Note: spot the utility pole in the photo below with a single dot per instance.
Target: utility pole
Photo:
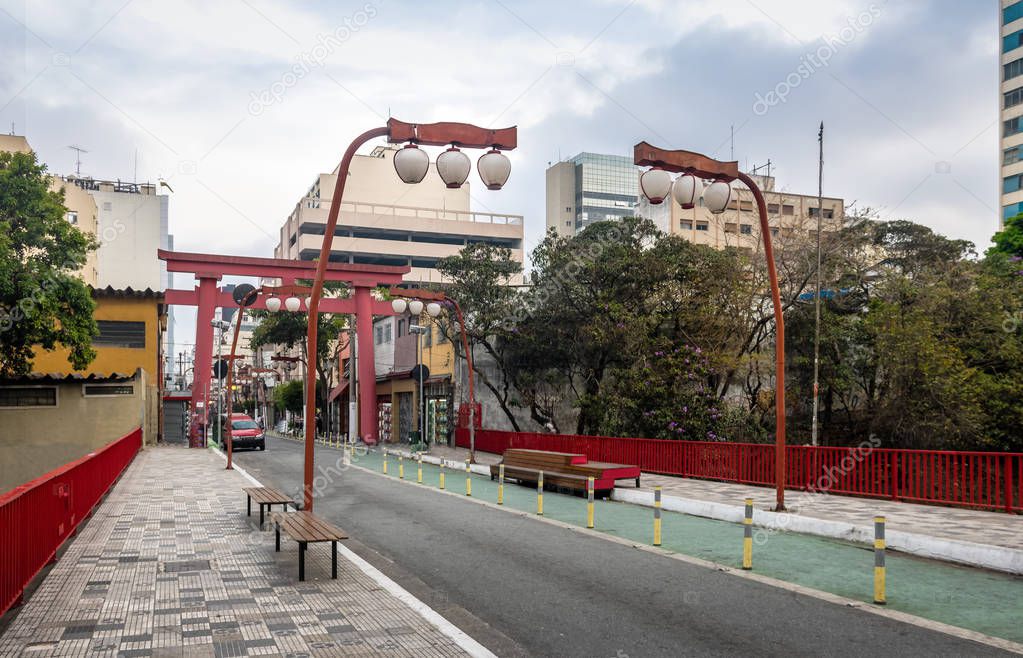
(817, 297)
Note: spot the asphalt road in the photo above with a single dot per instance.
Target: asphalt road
(524, 587)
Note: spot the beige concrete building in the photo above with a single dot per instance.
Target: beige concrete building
(1010, 154)
(386, 222)
(594, 187)
(739, 226)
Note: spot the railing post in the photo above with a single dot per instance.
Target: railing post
(893, 474)
(1007, 476)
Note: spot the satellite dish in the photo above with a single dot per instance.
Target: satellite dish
(244, 294)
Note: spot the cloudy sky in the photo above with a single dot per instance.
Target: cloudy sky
(206, 94)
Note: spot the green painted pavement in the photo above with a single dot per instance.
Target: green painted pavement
(984, 601)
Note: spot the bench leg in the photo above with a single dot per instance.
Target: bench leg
(333, 560)
(248, 505)
(301, 560)
(277, 534)
(637, 483)
(261, 507)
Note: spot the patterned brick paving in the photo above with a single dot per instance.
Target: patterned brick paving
(170, 565)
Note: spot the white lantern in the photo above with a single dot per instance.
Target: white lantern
(273, 304)
(494, 169)
(656, 185)
(308, 302)
(411, 163)
(292, 304)
(716, 196)
(453, 167)
(399, 305)
(415, 307)
(686, 190)
(433, 309)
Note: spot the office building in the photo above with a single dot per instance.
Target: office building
(1010, 152)
(590, 187)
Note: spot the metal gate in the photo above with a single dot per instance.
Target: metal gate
(175, 421)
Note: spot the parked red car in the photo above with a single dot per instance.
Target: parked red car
(245, 433)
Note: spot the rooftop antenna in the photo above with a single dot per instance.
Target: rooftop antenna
(12, 127)
(78, 158)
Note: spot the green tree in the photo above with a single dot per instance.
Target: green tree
(42, 303)
(288, 396)
(1009, 241)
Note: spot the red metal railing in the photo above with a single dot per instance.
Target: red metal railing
(990, 480)
(38, 516)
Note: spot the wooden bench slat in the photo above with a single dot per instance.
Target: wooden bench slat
(305, 527)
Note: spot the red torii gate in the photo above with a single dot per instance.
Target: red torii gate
(209, 268)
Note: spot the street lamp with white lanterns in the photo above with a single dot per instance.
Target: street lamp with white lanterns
(656, 184)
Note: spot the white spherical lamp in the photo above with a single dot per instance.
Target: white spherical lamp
(399, 305)
(308, 302)
(656, 185)
(292, 304)
(686, 190)
(494, 168)
(273, 304)
(411, 164)
(716, 196)
(433, 309)
(415, 307)
(453, 167)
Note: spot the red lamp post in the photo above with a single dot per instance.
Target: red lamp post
(657, 185)
(411, 164)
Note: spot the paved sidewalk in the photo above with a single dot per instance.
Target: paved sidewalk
(981, 527)
(170, 565)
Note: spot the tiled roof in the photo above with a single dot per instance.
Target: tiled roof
(35, 377)
(110, 291)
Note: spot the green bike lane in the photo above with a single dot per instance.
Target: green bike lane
(979, 600)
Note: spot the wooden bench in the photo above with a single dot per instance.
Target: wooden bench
(563, 469)
(305, 528)
(266, 498)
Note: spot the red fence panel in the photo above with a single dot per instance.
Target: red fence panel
(38, 516)
(986, 480)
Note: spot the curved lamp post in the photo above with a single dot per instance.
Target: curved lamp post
(435, 300)
(411, 165)
(244, 295)
(657, 185)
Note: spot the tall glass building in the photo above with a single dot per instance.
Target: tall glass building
(590, 187)
(1010, 156)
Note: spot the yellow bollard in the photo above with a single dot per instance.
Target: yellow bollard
(442, 474)
(419, 471)
(589, 502)
(657, 516)
(500, 484)
(468, 479)
(747, 536)
(879, 568)
(539, 494)
(401, 467)
(385, 462)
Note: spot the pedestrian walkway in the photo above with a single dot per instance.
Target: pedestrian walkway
(169, 565)
(959, 524)
(975, 599)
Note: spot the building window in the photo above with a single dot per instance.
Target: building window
(1012, 155)
(774, 232)
(72, 217)
(772, 208)
(99, 390)
(1012, 98)
(788, 210)
(702, 226)
(378, 335)
(1012, 69)
(428, 336)
(1013, 12)
(1012, 41)
(829, 213)
(28, 396)
(401, 328)
(687, 225)
(1012, 127)
(746, 229)
(120, 333)
(1012, 210)
(107, 205)
(387, 332)
(1010, 184)
(730, 227)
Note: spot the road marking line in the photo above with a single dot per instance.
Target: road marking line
(904, 617)
(457, 635)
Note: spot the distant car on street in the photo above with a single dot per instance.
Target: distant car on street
(245, 432)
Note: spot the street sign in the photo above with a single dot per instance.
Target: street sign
(220, 368)
(244, 294)
(420, 373)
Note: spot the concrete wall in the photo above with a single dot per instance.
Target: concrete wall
(130, 227)
(561, 197)
(36, 440)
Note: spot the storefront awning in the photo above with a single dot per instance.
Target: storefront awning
(337, 391)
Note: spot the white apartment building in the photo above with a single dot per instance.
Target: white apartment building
(1010, 153)
(384, 221)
